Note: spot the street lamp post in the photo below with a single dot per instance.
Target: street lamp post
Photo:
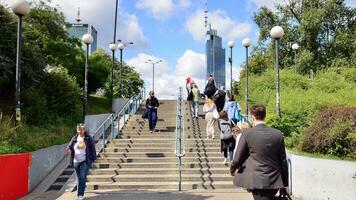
(246, 43)
(153, 71)
(231, 44)
(121, 46)
(87, 39)
(295, 47)
(113, 48)
(20, 8)
(277, 33)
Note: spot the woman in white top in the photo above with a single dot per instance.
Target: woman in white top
(211, 115)
(82, 151)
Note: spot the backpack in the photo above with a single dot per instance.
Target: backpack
(225, 127)
(238, 115)
(190, 96)
(210, 89)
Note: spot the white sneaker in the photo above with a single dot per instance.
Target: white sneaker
(225, 161)
(80, 198)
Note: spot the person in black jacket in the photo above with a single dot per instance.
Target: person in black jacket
(152, 104)
(81, 148)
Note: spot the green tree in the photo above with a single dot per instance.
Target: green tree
(99, 70)
(324, 30)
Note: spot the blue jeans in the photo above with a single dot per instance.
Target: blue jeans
(152, 118)
(195, 108)
(82, 170)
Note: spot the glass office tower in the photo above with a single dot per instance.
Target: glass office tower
(78, 30)
(215, 57)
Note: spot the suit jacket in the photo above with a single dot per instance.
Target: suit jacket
(260, 159)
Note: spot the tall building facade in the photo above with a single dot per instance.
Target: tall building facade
(215, 57)
(77, 30)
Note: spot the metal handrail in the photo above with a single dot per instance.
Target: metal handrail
(290, 185)
(179, 144)
(137, 100)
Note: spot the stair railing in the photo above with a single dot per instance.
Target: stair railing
(131, 107)
(179, 143)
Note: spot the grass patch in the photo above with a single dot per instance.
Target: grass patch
(99, 105)
(26, 138)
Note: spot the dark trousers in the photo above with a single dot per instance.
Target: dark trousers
(266, 194)
(81, 169)
(152, 118)
(231, 152)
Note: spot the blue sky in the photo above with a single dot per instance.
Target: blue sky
(171, 30)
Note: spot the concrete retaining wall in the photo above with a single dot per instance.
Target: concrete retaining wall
(43, 161)
(323, 179)
(118, 104)
(92, 122)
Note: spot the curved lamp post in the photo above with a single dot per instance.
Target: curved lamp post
(87, 39)
(277, 33)
(246, 43)
(295, 47)
(153, 71)
(20, 8)
(113, 48)
(121, 46)
(231, 45)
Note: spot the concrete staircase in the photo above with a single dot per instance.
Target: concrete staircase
(204, 157)
(138, 159)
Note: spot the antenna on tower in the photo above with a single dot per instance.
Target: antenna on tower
(78, 14)
(206, 13)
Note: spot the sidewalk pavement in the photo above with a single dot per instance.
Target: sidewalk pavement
(157, 195)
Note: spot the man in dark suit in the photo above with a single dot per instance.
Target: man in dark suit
(260, 159)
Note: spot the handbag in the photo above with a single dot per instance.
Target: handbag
(215, 113)
(145, 114)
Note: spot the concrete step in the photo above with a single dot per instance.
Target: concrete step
(158, 154)
(159, 178)
(141, 140)
(165, 164)
(141, 145)
(155, 171)
(148, 137)
(170, 159)
(148, 133)
(161, 149)
(160, 185)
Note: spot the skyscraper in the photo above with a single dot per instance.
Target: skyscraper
(77, 30)
(215, 57)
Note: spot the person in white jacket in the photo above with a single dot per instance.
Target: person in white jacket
(211, 115)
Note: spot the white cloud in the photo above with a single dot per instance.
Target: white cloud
(190, 64)
(271, 4)
(235, 75)
(145, 69)
(162, 9)
(351, 3)
(130, 30)
(228, 28)
(101, 15)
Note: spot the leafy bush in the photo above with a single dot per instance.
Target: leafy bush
(332, 132)
(301, 99)
(62, 91)
(35, 109)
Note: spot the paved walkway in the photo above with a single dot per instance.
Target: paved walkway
(152, 195)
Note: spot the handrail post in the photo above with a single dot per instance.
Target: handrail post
(112, 126)
(118, 123)
(124, 118)
(103, 138)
